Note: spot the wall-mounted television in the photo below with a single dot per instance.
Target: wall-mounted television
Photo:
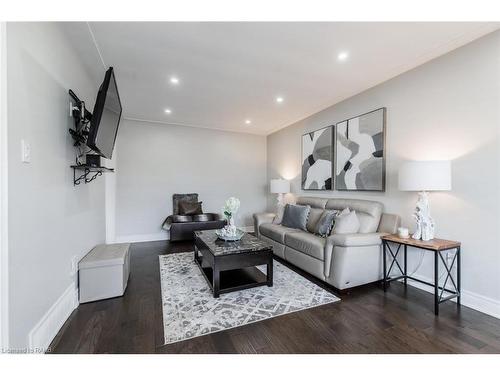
(106, 117)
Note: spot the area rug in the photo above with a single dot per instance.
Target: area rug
(189, 309)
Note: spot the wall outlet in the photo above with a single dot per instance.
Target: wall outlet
(25, 151)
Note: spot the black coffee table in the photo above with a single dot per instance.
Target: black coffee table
(231, 266)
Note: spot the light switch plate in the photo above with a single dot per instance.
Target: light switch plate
(25, 151)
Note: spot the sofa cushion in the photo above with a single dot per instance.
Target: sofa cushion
(275, 232)
(306, 243)
(312, 201)
(312, 221)
(368, 212)
(181, 218)
(356, 240)
(203, 217)
(296, 216)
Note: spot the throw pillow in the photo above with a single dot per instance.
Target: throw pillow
(312, 220)
(325, 223)
(280, 210)
(295, 216)
(190, 208)
(346, 223)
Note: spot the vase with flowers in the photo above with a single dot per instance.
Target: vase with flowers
(230, 232)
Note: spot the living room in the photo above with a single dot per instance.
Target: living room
(233, 187)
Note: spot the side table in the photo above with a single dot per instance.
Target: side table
(437, 246)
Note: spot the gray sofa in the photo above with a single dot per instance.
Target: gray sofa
(342, 260)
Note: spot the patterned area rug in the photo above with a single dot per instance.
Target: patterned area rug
(189, 309)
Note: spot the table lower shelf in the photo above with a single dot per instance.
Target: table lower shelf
(234, 279)
(239, 279)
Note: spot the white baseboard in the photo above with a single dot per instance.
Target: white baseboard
(143, 237)
(46, 329)
(473, 300)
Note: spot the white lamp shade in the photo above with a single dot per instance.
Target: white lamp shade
(279, 186)
(425, 176)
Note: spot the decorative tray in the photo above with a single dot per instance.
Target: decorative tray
(236, 237)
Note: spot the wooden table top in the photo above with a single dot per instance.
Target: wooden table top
(436, 244)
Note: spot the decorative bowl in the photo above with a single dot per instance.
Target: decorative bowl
(224, 237)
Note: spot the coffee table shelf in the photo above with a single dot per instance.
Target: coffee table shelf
(233, 280)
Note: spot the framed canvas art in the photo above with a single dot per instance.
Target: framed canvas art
(360, 152)
(317, 159)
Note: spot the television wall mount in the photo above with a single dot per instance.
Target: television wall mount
(82, 117)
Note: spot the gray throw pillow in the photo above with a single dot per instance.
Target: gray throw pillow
(325, 223)
(295, 216)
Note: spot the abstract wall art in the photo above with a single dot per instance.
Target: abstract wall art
(360, 157)
(317, 159)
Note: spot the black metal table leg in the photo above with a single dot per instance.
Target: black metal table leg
(436, 284)
(384, 244)
(406, 265)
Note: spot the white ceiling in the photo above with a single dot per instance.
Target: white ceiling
(230, 72)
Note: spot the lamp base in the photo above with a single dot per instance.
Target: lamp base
(425, 226)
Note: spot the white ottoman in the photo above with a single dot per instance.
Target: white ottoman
(103, 272)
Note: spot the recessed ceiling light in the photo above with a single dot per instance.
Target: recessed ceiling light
(168, 111)
(248, 122)
(174, 80)
(279, 99)
(342, 56)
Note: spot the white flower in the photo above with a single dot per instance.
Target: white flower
(232, 205)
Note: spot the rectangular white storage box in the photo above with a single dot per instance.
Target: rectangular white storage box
(103, 272)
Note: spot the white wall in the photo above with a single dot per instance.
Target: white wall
(4, 278)
(446, 109)
(156, 160)
(50, 220)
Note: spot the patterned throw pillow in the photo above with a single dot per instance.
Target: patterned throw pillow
(280, 210)
(325, 223)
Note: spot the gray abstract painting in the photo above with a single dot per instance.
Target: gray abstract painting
(360, 152)
(317, 158)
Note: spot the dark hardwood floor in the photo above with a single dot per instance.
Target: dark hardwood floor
(365, 321)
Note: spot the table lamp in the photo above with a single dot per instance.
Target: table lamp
(280, 187)
(424, 176)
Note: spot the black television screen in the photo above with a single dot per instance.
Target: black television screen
(106, 117)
